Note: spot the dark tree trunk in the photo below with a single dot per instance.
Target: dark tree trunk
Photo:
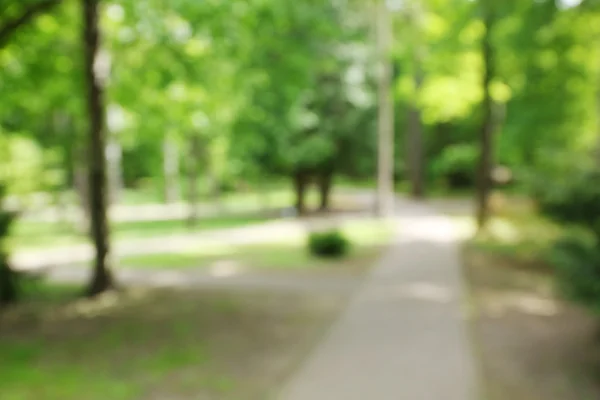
(102, 279)
(597, 149)
(325, 184)
(415, 153)
(8, 284)
(414, 143)
(484, 178)
(193, 175)
(300, 185)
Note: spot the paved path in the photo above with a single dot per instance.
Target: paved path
(279, 229)
(403, 336)
(264, 232)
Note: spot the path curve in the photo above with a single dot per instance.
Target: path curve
(404, 335)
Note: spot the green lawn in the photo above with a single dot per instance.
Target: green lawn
(280, 195)
(520, 232)
(156, 344)
(27, 234)
(175, 344)
(367, 237)
(30, 234)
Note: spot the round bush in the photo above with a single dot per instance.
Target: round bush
(329, 244)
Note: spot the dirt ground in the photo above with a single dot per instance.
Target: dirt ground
(531, 345)
(161, 344)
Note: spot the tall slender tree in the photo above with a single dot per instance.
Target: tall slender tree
(95, 75)
(414, 137)
(484, 176)
(385, 152)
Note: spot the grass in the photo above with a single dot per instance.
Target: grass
(366, 237)
(157, 344)
(27, 234)
(279, 196)
(516, 231)
(157, 228)
(250, 209)
(115, 348)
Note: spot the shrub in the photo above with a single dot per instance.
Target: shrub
(328, 244)
(577, 264)
(576, 200)
(457, 165)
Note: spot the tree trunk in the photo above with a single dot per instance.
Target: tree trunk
(300, 185)
(193, 176)
(95, 77)
(325, 185)
(385, 152)
(415, 136)
(484, 181)
(114, 155)
(8, 284)
(597, 150)
(170, 169)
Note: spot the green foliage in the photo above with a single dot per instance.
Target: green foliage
(328, 244)
(575, 200)
(577, 263)
(273, 86)
(456, 165)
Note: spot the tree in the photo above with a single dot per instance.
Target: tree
(302, 115)
(414, 146)
(102, 279)
(23, 16)
(8, 283)
(484, 180)
(385, 152)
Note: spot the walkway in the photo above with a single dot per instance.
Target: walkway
(279, 229)
(404, 335)
(262, 232)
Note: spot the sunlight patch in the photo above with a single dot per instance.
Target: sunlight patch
(225, 268)
(425, 291)
(499, 304)
(505, 231)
